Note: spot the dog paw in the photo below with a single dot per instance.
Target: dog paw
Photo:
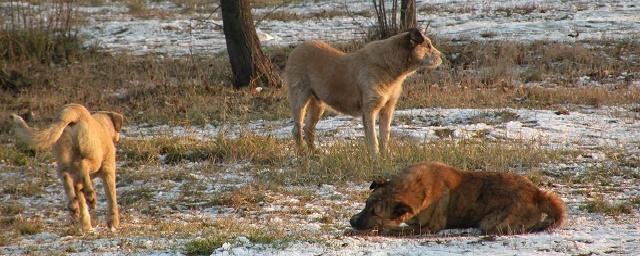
(74, 211)
(88, 230)
(90, 198)
(113, 225)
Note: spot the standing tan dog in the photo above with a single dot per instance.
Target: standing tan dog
(364, 83)
(84, 147)
(429, 197)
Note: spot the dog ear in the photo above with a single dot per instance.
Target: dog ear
(378, 183)
(415, 37)
(401, 209)
(117, 119)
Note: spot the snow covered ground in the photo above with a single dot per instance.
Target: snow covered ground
(112, 28)
(303, 210)
(607, 127)
(319, 214)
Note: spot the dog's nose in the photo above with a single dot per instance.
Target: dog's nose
(353, 221)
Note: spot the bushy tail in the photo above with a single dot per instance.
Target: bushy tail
(45, 138)
(554, 207)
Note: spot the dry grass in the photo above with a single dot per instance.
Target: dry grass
(28, 33)
(28, 226)
(145, 89)
(247, 147)
(245, 197)
(11, 155)
(272, 3)
(599, 205)
(9, 209)
(136, 6)
(283, 15)
(196, 89)
(19, 226)
(198, 6)
(422, 96)
(227, 229)
(342, 161)
(38, 179)
(433, 8)
(524, 9)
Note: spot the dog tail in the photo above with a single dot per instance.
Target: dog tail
(45, 138)
(551, 204)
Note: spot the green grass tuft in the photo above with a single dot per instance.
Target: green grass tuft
(204, 246)
(599, 205)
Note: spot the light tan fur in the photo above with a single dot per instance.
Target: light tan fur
(432, 196)
(367, 82)
(84, 147)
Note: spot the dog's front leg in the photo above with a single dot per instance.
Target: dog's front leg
(109, 179)
(369, 120)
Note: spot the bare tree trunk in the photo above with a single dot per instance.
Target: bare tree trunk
(388, 23)
(408, 14)
(248, 64)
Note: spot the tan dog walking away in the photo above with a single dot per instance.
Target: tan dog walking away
(432, 196)
(366, 83)
(84, 147)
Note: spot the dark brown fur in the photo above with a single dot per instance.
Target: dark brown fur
(432, 196)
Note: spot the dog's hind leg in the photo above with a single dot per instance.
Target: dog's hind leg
(72, 200)
(315, 110)
(85, 218)
(109, 180)
(89, 192)
(510, 221)
(299, 98)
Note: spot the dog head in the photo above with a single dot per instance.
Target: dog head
(382, 210)
(116, 120)
(421, 51)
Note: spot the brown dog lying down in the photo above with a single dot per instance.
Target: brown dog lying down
(84, 147)
(432, 196)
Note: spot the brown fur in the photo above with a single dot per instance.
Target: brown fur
(84, 147)
(366, 83)
(432, 196)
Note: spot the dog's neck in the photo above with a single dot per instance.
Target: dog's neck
(396, 69)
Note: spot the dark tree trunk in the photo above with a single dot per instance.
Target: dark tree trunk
(248, 64)
(407, 14)
(388, 23)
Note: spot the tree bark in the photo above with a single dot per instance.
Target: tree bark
(388, 24)
(248, 63)
(408, 14)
